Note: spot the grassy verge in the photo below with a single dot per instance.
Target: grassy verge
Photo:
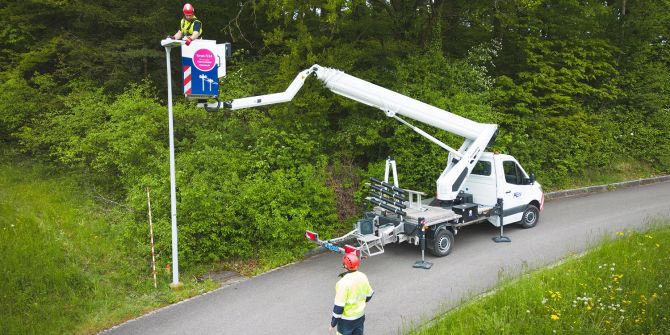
(65, 267)
(620, 287)
(617, 172)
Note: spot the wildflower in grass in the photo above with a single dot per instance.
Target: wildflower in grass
(555, 317)
(620, 233)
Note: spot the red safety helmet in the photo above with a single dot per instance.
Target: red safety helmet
(350, 261)
(188, 9)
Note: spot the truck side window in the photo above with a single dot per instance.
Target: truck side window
(513, 174)
(482, 168)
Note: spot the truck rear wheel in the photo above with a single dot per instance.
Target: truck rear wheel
(530, 217)
(441, 244)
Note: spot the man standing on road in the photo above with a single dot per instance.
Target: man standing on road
(190, 27)
(352, 291)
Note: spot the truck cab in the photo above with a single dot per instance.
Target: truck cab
(501, 176)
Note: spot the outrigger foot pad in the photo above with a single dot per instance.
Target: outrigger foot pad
(500, 239)
(423, 265)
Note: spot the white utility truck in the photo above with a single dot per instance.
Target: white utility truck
(472, 188)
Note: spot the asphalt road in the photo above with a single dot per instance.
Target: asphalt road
(297, 299)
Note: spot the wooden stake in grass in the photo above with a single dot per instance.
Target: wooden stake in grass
(151, 236)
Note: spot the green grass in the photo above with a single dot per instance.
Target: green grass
(620, 287)
(65, 267)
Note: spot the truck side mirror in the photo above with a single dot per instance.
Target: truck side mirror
(531, 180)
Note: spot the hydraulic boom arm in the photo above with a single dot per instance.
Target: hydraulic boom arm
(477, 135)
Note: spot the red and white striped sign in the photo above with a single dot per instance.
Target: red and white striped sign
(187, 80)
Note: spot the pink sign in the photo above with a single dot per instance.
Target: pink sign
(204, 60)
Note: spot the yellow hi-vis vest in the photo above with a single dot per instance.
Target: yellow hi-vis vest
(187, 27)
(352, 292)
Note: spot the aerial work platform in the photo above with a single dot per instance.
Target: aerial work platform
(203, 63)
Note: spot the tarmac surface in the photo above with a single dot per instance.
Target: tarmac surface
(298, 298)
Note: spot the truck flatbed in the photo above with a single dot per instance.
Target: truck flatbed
(433, 214)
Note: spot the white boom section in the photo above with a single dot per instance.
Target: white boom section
(270, 99)
(477, 135)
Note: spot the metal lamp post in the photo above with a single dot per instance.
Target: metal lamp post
(169, 44)
(203, 62)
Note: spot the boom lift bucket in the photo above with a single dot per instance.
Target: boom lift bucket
(203, 63)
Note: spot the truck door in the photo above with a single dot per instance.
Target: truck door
(515, 191)
(482, 183)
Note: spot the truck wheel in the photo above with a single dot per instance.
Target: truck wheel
(530, 217)
(442, 243)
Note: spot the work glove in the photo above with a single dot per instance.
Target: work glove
(188, 41)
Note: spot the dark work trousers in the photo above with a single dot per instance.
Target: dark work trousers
(351, 327)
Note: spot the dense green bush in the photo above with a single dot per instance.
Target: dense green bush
(243, 187)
